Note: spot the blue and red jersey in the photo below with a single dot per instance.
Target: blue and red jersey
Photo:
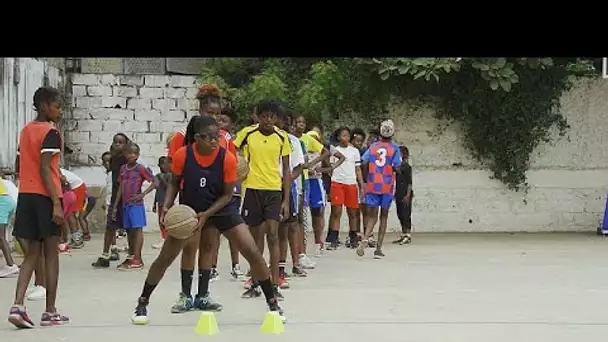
(382, 157)
(131, 180)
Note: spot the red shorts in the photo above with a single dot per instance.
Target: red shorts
(344, 194)
(81, 197)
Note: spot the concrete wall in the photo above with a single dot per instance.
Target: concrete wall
(568, 179)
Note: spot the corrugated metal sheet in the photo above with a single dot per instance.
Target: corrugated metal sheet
(20, 79)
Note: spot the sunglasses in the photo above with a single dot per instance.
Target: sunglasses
(208, 137)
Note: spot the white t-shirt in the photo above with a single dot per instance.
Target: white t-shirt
(11, 189)
(296, 157)
(346, 172)
(72, 178)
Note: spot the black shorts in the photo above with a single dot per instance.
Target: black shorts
(260, 206)
(224, 223)
(90, 204)
(111, 224)
(33, 218)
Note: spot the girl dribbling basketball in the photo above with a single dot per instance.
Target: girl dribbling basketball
(208, 172)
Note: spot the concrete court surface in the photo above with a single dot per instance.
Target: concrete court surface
(444, 287)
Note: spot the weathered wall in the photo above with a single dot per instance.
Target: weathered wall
(568, 179)
(19, 80)
(146, 108)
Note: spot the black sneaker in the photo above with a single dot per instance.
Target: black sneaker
(278, 294)
(378, 254)
(253, 292)
(273, 305)
(140, 317)
(333, 246)
(407, 240)
(206, 303)
(399, 240)
(299, 272)
(101, 263)
(114, 255)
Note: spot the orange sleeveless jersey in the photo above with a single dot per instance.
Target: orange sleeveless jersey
(37, 138)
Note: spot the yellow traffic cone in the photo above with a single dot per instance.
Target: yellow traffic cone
(207, 324)
(273, 324)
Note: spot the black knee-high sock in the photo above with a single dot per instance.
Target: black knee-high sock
(147, 291)
(267, 289)
(187, 282)
(203, 282)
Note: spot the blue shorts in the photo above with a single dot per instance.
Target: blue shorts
(7, 205)
(378, 200)
(133, 216)
(317, 198)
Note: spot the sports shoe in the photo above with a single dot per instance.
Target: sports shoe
(77, 244)
(283, 283)
(158, 245)
(125, 262)
(86, 236)
(140, 316)
(206, 303)
(399, 240)
(278, 294)
(318, 250)
(298, 271)
(37, 293)
(53, 318)
(306, 263)
(236, 273)
(132, 265)
(114, 254)
(215, 275)
(252, 292)
(407, 240)
(101, 262)
(65, 248)
(361, 248)
(378, 254)
(273, 305)
(183, 304)
(9, 271)
(371, 242)
(18, 317)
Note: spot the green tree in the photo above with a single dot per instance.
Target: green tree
(507, 105)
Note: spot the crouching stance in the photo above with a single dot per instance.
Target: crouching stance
(209, 175)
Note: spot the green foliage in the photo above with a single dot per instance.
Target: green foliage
(507, 105)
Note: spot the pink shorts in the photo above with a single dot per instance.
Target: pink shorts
(69, 203)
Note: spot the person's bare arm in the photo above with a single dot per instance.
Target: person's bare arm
(286, 182)
(324, 154)
(47, 179)
(332, 167)
(118, 197)
(359, 176)
(297, 171)
(172, 190)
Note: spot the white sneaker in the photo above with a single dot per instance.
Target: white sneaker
(158, 245)
(306, 263)
(9, 271)
(318, 250)
(38, 293)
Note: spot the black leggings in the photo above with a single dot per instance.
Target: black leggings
(404, 213)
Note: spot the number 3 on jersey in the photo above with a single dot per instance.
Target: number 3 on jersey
(381, 157)
(203, 182)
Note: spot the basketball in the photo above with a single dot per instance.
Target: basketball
(180, 221)
(242, 168)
